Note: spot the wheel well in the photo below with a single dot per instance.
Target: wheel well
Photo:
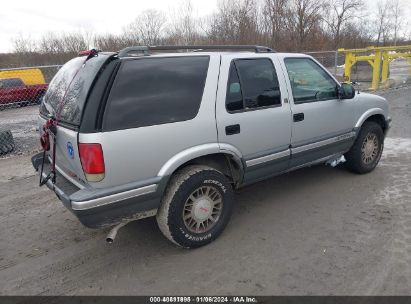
(225, 163)
(379, 119)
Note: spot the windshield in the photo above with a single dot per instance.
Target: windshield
(71, 83)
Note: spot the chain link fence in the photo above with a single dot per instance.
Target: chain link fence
(21, 91)
(332, 60)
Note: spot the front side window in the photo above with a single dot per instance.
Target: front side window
(152, 91)
(309, 82)
(252, 84)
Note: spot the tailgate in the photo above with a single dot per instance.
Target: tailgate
(67, 159)
(65, 100)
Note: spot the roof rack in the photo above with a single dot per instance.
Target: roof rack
(145, 49)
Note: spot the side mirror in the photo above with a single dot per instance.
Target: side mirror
(346, 91)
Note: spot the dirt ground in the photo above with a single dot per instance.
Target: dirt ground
(316, 231)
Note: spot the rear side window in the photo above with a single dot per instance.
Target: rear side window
(154, 91)
(252, 84)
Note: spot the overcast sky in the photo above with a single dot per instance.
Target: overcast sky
(33, 18)
(36, 17)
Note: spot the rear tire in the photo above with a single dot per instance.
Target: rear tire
(6, 142)
(366, 152)
(196, 206)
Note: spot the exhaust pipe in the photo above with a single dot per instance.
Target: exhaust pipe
(113, 232)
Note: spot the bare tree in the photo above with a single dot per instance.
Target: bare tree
(236, 22)
(275, 16)
(304, 18)
(396, 16)
(357, 34)
(74, 42)
(338, 14)
(50, 43)
(111, 42)
(147, 27)
(247, 19)
(22, 44)
(183, 26)
(383, 21)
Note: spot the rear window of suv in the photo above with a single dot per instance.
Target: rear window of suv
(152, 91)
(67, 91)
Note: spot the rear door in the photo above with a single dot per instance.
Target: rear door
(253, 113)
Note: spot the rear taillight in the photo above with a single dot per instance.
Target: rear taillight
(92, 161)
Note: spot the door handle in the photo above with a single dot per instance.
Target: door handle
(298, 117)
(233, 129)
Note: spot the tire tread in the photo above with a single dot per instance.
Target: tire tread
(353, 156)
(175, 183)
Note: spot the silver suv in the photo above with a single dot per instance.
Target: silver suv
(152, 131)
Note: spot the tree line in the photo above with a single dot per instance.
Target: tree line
(284, 25)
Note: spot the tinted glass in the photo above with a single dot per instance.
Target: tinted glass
(234, 98)
(309, 82)
(258, 85)
(156, 91)
(68, 89)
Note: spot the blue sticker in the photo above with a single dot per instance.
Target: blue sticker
(70, 150)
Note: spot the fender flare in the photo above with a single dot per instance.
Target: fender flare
(197, 151)
(367, 114)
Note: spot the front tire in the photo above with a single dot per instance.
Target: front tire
(196, 206)
(366, 152)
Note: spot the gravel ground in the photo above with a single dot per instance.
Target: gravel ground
(319, 230)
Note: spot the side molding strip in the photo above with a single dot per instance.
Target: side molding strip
(323, 142)
(267, 158)
(110, 199)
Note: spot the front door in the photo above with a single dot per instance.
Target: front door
(322, 123)
(252, 116)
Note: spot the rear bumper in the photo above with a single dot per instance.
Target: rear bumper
(96, 208)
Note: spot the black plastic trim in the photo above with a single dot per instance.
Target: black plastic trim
(111, 214)
(94, 107)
